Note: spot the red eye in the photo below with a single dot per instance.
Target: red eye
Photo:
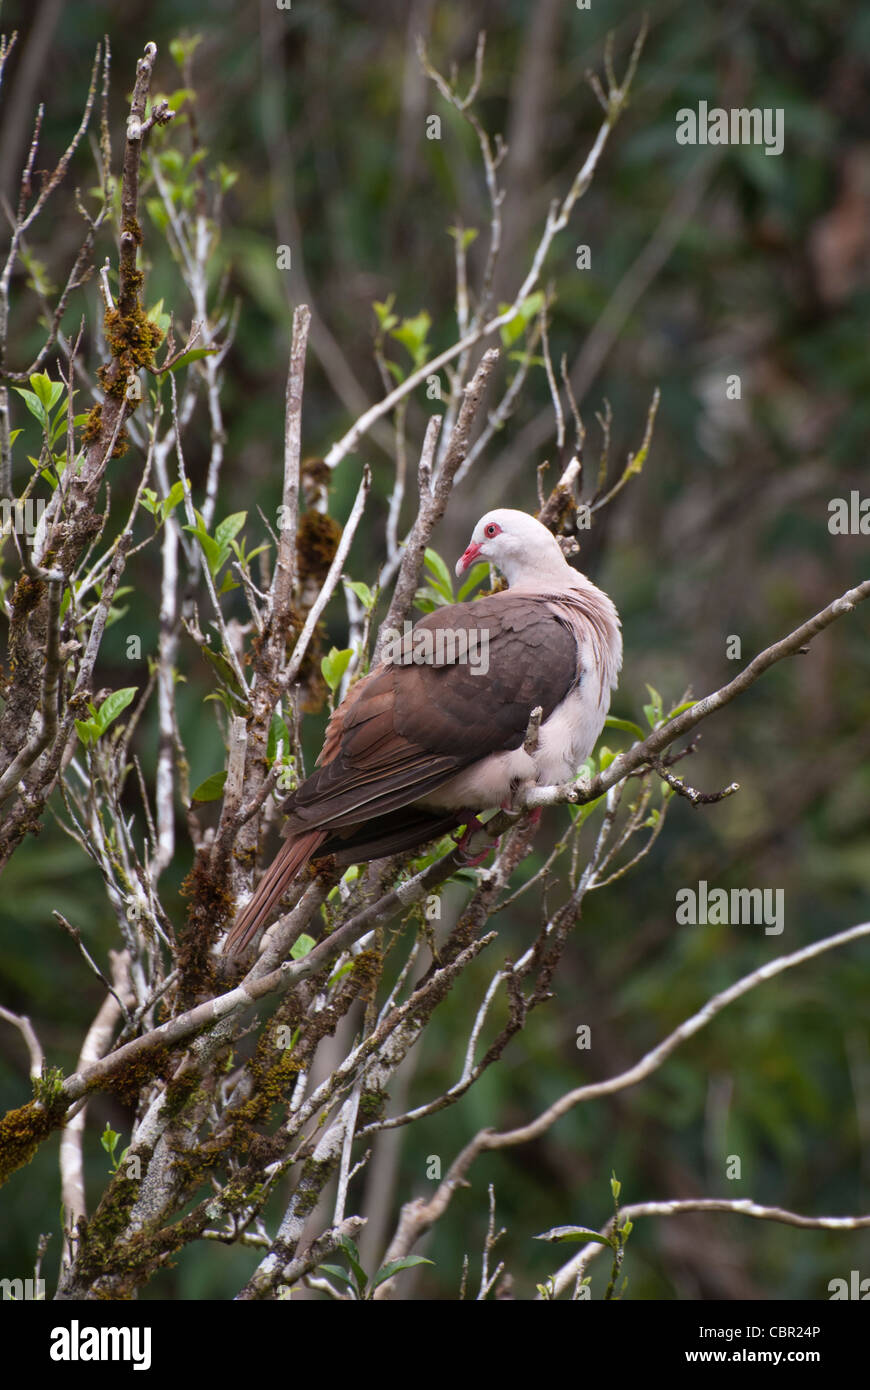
(492, 529)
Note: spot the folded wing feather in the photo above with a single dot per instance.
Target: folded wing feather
(406, 730)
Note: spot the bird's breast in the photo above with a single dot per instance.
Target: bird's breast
(565, 740)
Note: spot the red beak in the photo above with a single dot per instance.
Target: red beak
(468, 558)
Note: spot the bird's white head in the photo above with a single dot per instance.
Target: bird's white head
(518, 545)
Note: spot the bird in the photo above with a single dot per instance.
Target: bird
(428, 739)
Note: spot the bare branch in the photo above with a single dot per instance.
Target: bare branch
(577, 1266)
(433, 501)
(31, 1041)
(662, 737)
(690, 793)
(557, 219)
(329, 584)
(418, 1216)
(285, 567)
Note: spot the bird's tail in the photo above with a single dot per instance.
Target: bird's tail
(296, 851)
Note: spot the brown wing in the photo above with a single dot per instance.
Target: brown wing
(405, 729)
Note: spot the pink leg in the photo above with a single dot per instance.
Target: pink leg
(471, 829)
(534, 815)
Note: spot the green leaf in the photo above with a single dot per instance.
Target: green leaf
(152, 503)
(412, 334)
(115, 613)
(210, 547)
(334, 666)
(363, 593)
(176, 495)
(244, 559)
(113, 705)
(627, 725)
(211, 789)
(177, 98)
(384, 315)
(229, 528)
(223, 698)
(562, 1235)
(109, 1139)
(441, 580)
(393, 1266)
(87, 731)
(301, 946)
(59, 426)
(678, 709)
(582, 812)
(340, 973)
(182, 49)
(336, 1272)
(636, 463)
(226, 177)
(352, 1256)
(49, 392)
(464, 235)
(476, 575)
(653, 711)
(34, 404)
(278, 732)
(529, 359)
(157, 212)
(187, 357)
(427, 600)
(515, 327)
(224, 670)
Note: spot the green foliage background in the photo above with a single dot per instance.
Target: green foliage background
(725, 532)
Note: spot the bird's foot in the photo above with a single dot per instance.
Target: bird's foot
(515, 812)
(473, 828)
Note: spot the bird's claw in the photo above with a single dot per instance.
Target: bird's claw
(471, 861)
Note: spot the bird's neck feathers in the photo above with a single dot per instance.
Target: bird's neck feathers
(548, 569)
(548, 573)
(584, 605)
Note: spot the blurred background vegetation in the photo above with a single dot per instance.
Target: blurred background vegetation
(704, 262)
